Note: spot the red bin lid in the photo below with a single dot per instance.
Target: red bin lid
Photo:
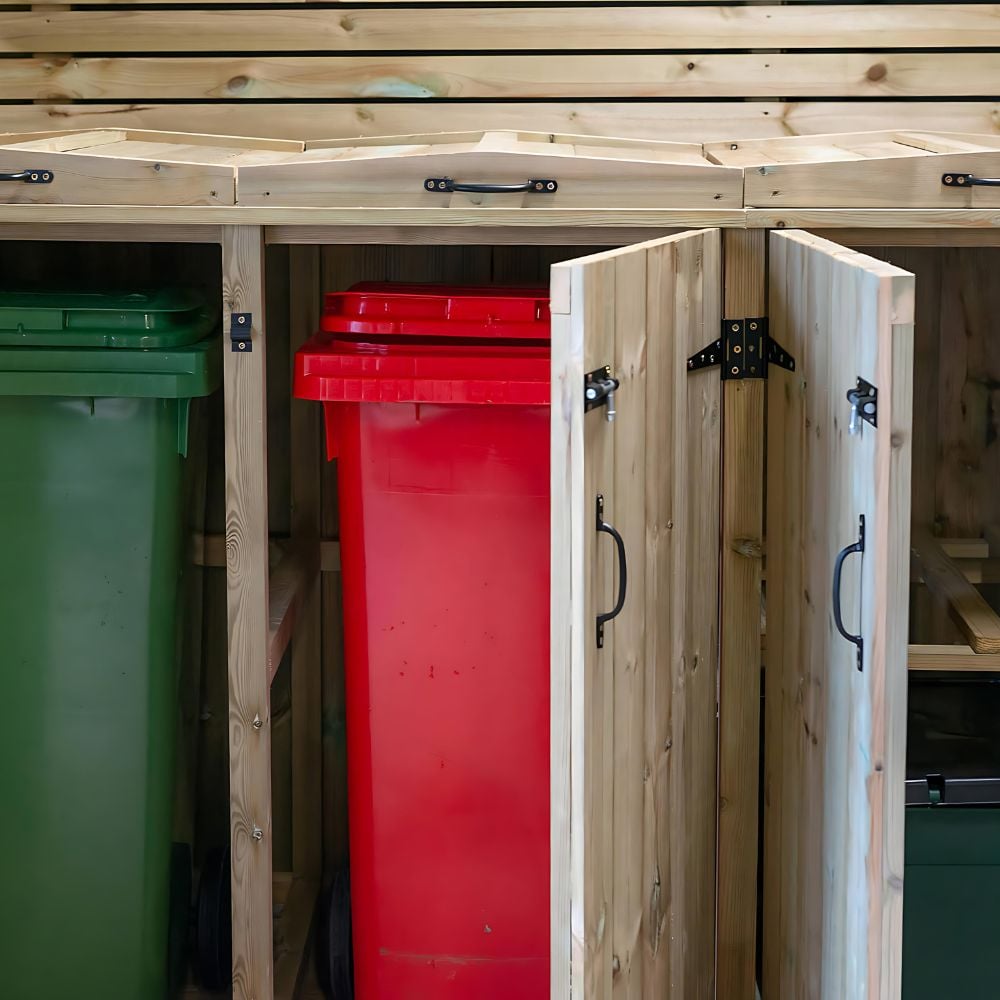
(410, 310)
(429, 344)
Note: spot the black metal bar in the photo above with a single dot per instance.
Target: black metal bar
(858, 546)
(445, 185)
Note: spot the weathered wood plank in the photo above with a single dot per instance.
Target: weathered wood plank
(684, 122)
(503, 77)
(486, 28)
(247, 577)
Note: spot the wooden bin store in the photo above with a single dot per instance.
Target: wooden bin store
(722, 289)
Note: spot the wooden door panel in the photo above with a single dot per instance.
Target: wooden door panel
(834, 732)
(633, 826)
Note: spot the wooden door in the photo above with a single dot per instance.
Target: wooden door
(835, 712)
(634, 721)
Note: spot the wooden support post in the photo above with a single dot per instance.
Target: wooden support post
(247, 588)
(307, 695)
(740, 658)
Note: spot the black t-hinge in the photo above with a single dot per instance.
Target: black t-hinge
(745, 350)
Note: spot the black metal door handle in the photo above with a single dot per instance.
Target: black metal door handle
(29, 176)
(607, 529)
(838, 566)
(445, 185)
(969, 180)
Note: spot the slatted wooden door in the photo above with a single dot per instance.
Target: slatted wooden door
(634, 722)
(835, 710)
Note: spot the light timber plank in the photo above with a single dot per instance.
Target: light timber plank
(982, 220)
(835, 736)
(92, 178)
(887, 180)
(247, 580)
(503, 77)
(959, 658)
(689, 121)
(633, 898)
(976, 620)
(488, 28)
(478, 218)
(648, 174)
(740, 661)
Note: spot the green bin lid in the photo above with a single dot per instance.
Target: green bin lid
(137, 320)
(172, 374)
(161, 344)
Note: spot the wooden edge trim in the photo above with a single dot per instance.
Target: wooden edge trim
(290, 583)
(977, 621)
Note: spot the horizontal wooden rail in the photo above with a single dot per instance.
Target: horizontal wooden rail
(952, 658)
(488, 28)
(504, 77)
(289, 587)
(977, 621)
(697, 121)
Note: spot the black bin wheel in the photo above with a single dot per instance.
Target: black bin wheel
(334, 955)
(214, 951)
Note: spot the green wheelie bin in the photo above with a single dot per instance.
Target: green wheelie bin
(952, 874)
(95, 395)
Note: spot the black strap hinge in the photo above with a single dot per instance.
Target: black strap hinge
(240, 332)
(745, 350)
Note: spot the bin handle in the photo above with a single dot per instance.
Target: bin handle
(969, 180)
(838, 566)
(603, 526)
(30, 176)
(445, 185)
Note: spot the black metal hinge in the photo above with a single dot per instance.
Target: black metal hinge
(745, 350)
(599, 388)
(240, 330)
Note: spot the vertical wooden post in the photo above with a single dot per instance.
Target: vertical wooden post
(247, 588)
(307, 761)
(740, 660)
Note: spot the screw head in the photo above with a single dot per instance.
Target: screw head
(257, 833)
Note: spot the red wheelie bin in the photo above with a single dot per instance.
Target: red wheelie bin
(436, 408)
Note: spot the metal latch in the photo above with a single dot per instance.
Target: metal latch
(864, 405)
(745, 350)
(599, 388)
(240, 332)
